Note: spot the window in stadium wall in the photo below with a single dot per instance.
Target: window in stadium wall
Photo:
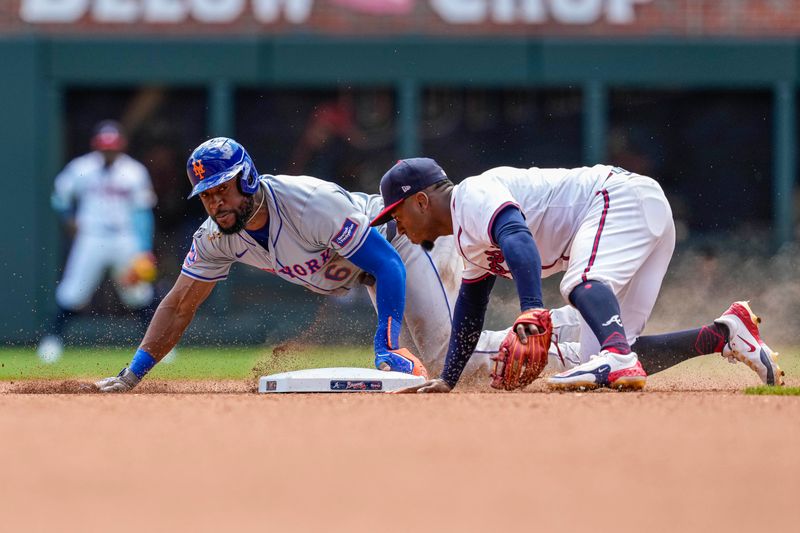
(710, 150)
(471, 130)
(344, 135)
(163, 126)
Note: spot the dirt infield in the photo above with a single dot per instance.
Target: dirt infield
(653, 461)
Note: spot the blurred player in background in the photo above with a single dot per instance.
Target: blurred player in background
(105, 199)
(317, 235)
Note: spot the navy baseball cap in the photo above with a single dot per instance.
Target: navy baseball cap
(405, 178)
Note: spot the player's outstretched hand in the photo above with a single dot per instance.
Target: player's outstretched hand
(400, 360)
(123, 382)
(434, 385)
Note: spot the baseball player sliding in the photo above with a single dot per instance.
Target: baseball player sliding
(612, 233)
(315, 234)
(107, 198)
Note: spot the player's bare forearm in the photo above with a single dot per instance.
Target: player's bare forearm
(174, 314)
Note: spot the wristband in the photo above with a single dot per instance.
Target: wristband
(142, 363)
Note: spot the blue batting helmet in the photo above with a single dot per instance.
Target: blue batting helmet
(218, 160)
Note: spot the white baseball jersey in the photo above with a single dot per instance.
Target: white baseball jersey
(553, 202)
(106, 197)
(598, 223)
(106, 200)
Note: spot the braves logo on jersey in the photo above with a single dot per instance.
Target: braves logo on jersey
(496, 260)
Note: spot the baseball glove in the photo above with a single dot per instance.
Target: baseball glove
(516, 365)
(142, 269)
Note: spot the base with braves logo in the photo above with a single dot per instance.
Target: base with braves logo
(343, 379)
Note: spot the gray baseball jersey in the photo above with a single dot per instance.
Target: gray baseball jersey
(314, 226)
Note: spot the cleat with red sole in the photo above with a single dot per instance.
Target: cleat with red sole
(607, 369)
(744, 343)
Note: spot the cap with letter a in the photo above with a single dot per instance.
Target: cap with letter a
(406, 178)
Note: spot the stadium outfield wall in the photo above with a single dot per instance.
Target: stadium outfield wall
(39, 69)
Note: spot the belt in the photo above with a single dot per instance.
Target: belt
(621, 173)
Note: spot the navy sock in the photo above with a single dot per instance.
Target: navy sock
(659, 352)
(600, 309)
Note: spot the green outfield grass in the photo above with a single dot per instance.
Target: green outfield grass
(764, 390)
(190, 364)
(253, 361)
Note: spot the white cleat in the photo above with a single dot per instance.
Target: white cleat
(170, 357)
(607, 369)
(744, 343)
(50, 349)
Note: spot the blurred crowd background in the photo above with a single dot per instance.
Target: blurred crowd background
(714, 145)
